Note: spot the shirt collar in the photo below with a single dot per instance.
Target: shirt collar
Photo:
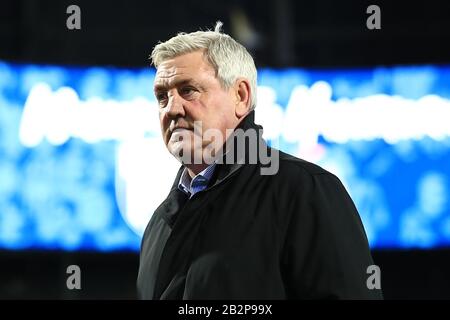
(224, 170)
(190, 186)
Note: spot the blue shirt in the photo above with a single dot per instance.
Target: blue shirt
(196, 184)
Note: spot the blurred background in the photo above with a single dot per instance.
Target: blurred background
(80, 145)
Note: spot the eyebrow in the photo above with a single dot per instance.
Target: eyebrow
(176, 83)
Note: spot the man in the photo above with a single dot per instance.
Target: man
(228, 229)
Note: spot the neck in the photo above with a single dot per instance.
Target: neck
(194, 169)
(244, 123)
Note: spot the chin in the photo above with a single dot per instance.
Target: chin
(189, 156)
(180, 151)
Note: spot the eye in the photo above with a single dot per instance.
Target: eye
(187, 91)
(161, 97)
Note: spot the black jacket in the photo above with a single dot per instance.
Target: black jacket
(292, 235)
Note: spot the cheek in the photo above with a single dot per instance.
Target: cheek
(217, 124)
(214, 113)
(164, 123)
(224, 114)
(221, 107)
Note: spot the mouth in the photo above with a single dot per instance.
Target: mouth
(178, 133)
(179, 129)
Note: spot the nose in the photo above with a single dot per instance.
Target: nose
(175, 107)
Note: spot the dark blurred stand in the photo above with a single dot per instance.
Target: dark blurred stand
(42, 275)
(414, 274)
(280, 33)
(322, 33)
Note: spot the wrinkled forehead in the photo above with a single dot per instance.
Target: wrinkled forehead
(167, 71)
(167, 78)
(190, 65)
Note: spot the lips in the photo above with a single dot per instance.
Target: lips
(179, 133)
(173, 126)
(180, 129)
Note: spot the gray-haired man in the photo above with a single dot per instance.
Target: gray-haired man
(227, 230)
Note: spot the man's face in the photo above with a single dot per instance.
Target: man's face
(188, 91)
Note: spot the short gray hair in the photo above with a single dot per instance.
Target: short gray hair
(229, 59)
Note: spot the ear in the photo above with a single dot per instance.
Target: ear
(242, 91)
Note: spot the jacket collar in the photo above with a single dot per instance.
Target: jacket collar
(239, 159)
(176, 198)
(225, 168)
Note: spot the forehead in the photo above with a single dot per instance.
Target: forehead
(187, 66)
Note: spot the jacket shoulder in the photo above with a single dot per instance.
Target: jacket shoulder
(290, 165)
